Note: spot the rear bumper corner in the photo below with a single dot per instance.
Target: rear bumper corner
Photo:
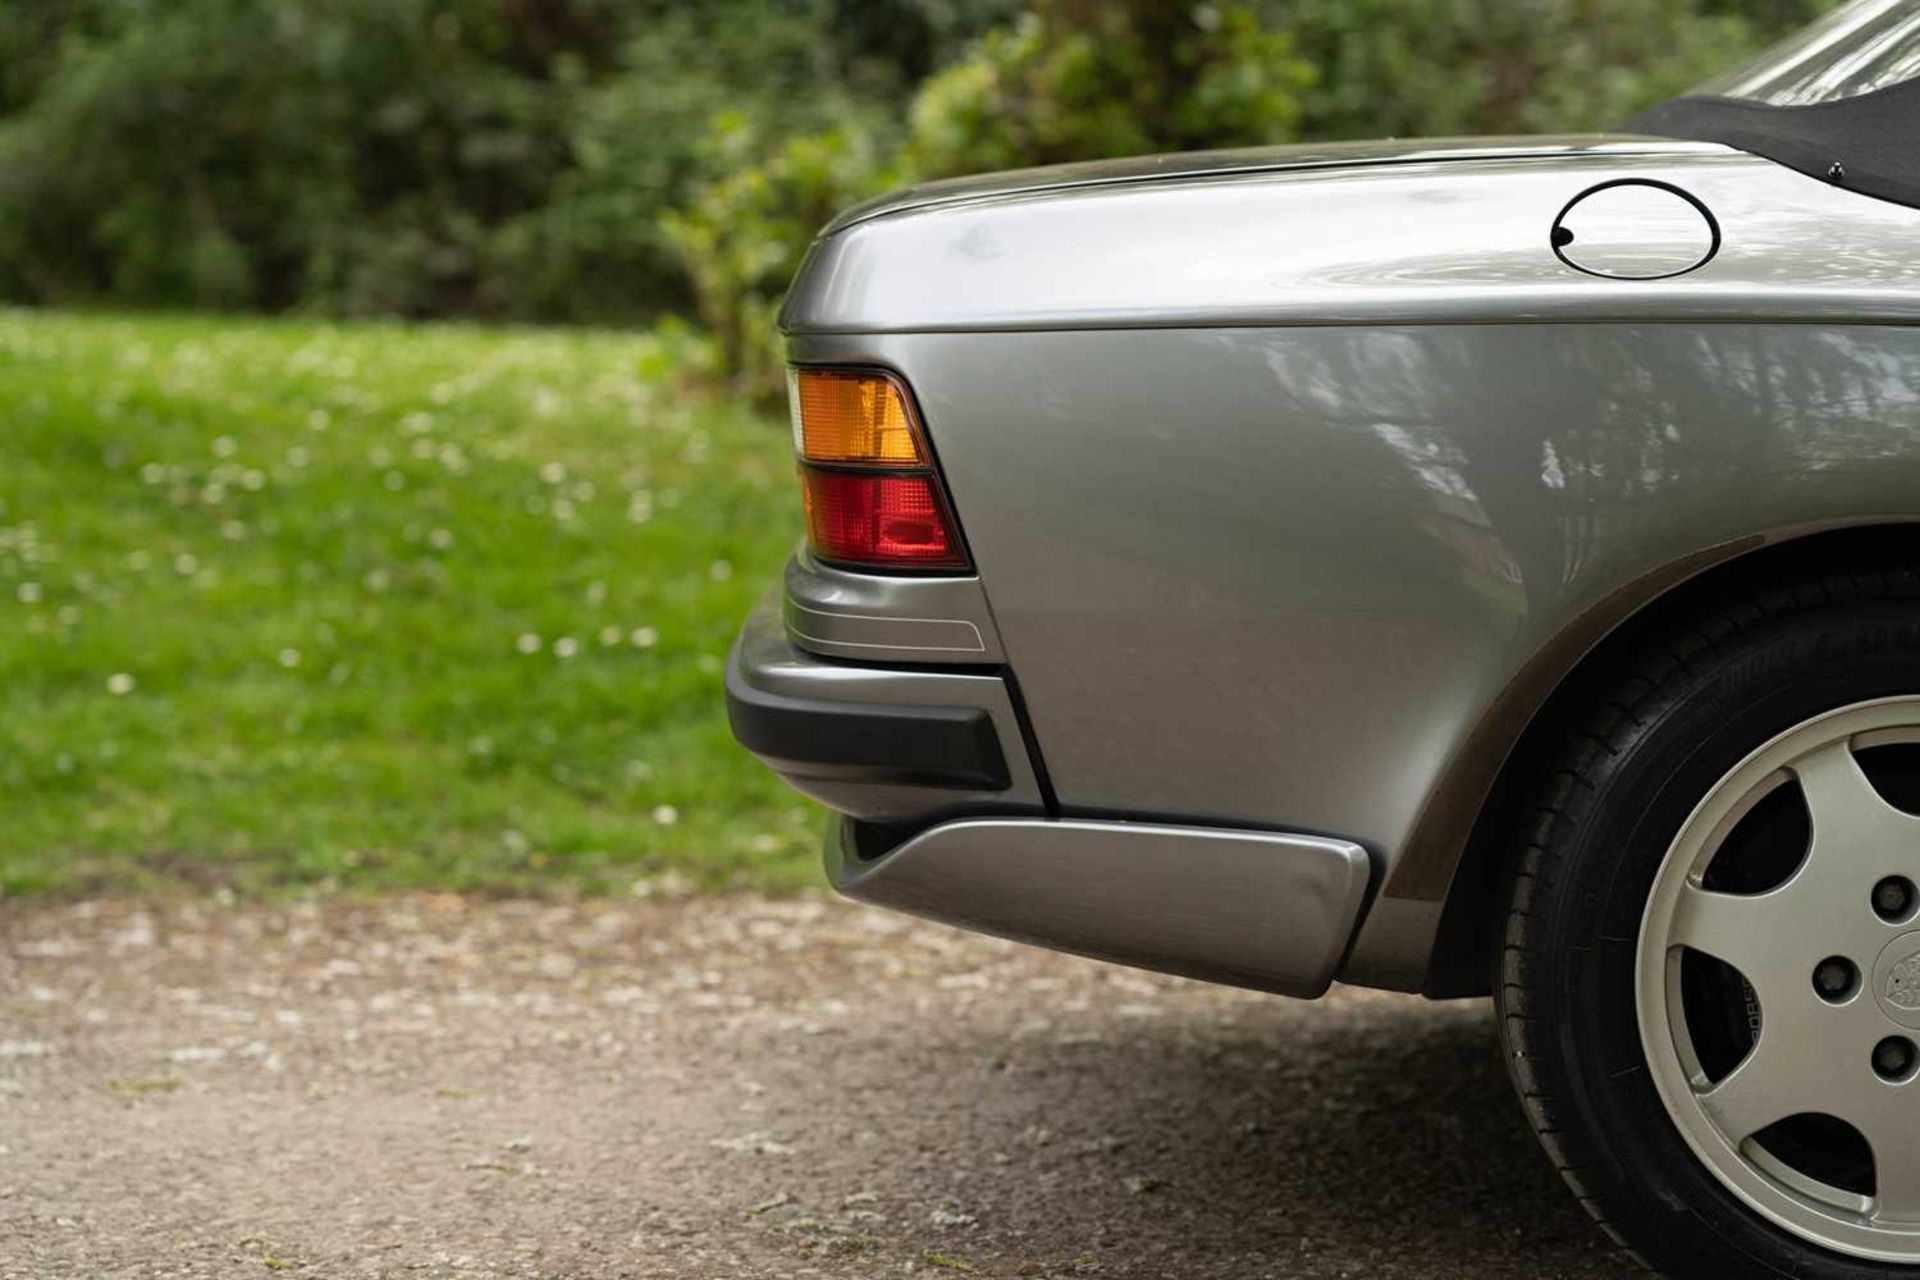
(883, 744)
(1266, 910)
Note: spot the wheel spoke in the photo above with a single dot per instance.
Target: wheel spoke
(1847, 813)
(1896, 1173)
(1732, 927)
(1779, 1078)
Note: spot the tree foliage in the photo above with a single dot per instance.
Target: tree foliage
(611, 159)
(1071, 80)
(1391, 68)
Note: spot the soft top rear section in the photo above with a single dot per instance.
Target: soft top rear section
(1839, 100)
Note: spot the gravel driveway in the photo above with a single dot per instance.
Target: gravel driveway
(723, 1088)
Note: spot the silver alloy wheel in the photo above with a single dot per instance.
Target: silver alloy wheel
(1814, 1052)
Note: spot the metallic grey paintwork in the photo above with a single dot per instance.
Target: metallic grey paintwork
(871, 617)
(1251, 908)
(1461, 239)
(1243, 161)
(1294, 493)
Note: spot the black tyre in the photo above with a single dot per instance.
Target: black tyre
(1704, 976)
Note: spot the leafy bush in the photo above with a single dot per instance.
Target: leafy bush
(606, 160)
(744, 235)
(1390, 68)
(1065, 82)
(694, 95)
(1072, 82)
(406, 156)
(346, 154)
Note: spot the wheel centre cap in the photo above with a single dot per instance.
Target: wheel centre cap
(1896, 980)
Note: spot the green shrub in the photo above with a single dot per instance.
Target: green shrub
(1065, 82)
(405, 156)
(608, 160)
(1070, 81)
(743, 236)
(1391, 68)
(339, 153)
(642, 141)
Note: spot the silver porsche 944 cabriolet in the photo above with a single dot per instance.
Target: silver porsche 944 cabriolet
(1467, 566)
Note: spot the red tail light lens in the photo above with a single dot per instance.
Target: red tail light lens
(873, 498)
(884, 520)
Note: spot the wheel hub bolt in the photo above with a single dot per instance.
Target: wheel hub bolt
(1893, 1058)
(1893, 898)
(1834, 978)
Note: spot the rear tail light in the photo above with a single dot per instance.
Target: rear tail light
(878, 519)
(873, 499)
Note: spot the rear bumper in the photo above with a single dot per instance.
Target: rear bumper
(952, 747)
(1251, 908)
(943, 816)
(886, 745)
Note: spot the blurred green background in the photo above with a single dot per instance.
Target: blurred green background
(394, 588)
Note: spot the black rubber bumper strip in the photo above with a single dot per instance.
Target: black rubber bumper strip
(865, 742)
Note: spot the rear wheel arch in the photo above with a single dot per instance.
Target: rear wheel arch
(1473, 906)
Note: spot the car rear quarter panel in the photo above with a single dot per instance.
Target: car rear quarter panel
(1314, 576)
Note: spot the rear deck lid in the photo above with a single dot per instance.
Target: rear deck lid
(1246, 160)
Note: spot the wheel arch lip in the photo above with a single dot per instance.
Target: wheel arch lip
(1450, 864)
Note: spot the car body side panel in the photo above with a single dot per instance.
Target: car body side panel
(1314, 578)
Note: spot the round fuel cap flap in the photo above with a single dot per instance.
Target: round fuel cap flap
(1635, 229)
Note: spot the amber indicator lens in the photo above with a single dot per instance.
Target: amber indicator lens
(890, 521)
(852, 418)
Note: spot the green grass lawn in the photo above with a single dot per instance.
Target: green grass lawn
(377, 605)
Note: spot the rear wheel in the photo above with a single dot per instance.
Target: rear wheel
(1710, 974)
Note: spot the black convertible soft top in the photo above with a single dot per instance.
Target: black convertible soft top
(1838, 100)
(1869, 143)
